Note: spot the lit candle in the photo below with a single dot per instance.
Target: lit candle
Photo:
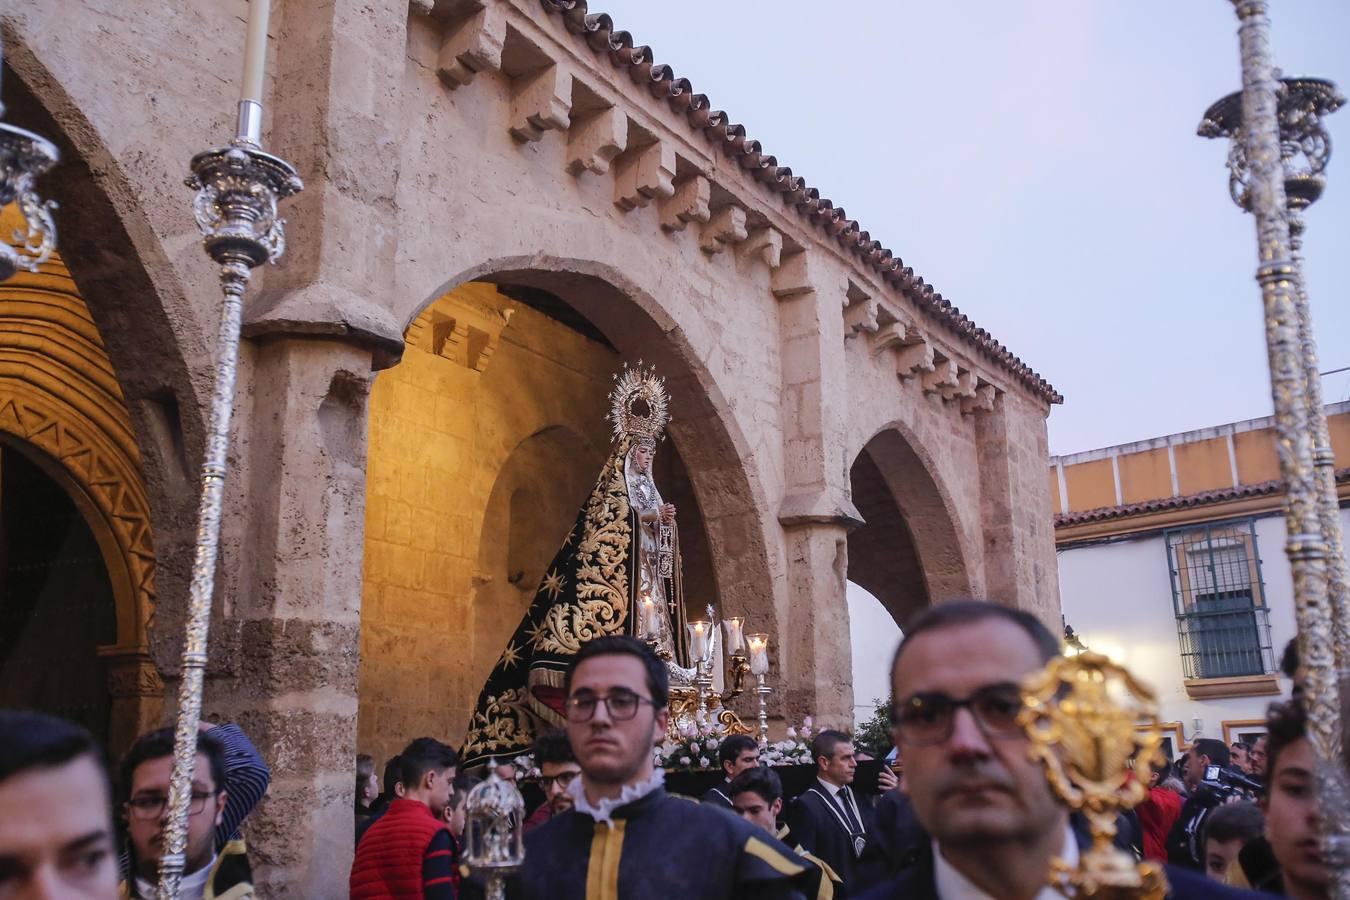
(759, 653)
(734, 628)
(699, 632)
(255, 51)
(650, 628)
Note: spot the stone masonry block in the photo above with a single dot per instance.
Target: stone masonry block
(472, 47)
(593, 142)
(689, 203)
(794, 276)
(542, 103)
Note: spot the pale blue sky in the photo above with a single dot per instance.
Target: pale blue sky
(1037, 163)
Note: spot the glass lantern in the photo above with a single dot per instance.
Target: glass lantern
(494, 835)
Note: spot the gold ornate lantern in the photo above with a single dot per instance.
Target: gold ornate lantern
(494, 833)
(1089, 721)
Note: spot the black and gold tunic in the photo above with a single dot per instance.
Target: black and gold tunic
(659, 847)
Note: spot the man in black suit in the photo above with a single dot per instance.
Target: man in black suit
(994, 822)
(736, 754)
(828, 820)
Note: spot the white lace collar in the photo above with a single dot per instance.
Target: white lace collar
(604, 810)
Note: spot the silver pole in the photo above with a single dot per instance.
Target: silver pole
(1306, 548)
(238, 188)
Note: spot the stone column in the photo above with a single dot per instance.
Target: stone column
(816, 513)
(294, 597)
(1015, 508)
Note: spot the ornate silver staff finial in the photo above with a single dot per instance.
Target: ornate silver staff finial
(23, 157)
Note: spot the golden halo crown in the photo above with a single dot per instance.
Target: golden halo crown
(639, 406)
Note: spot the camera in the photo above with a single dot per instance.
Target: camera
(1228, 782)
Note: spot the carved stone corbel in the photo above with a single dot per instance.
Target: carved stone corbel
(644, 174)
(915, 357)
(942, 377)
(472, 47)
(727, 226)
(765, 242)
(689, 203)
(542, 103)
(594, 142)
(794, 276)
(983, 401)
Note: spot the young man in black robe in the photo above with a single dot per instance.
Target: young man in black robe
(625, 836)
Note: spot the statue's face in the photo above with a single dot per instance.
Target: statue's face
(642, 456)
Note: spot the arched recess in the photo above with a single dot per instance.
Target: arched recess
(909, 554)
(524, 355)
(62, 407)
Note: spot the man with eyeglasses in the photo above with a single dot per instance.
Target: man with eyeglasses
(557, 770)
(994, 823)
(625, 836)
(216, 858)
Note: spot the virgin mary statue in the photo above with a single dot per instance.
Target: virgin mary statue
(617, 572)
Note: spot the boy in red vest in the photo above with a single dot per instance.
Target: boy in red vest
(409, 853)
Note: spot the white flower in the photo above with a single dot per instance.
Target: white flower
(808, 722)
(684, 760)
(693, 747)
(703, 761)
(791, 732)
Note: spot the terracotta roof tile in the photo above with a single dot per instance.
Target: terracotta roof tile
(599, 33)
(1204, 498)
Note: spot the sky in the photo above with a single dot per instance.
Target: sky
(1038, 164)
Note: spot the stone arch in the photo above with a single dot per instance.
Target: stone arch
(133, 296)
(713, 449)
(911, 552)
(62, 406)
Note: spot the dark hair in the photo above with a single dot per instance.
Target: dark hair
(1242, 821)
(732, 747)
(393, 776)
(159, 744)
(424, 755)
(1289, 659)
(658, 679)
(968, 612)
(1215, 749)
(553, 747)
(1285, 724)
(759, 780)
(825, 743)
(1241, 745)
(35, 740)
(463, 784)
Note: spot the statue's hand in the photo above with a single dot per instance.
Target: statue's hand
(668, 513)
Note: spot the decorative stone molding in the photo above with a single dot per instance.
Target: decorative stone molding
(464, 328)
(132, 674)
(794, 276)
(59, 395)
(1238, 686)
(724, 228)
(819, 508)
(982, 401)
(688, 203)
(940, 378)
(860, 311)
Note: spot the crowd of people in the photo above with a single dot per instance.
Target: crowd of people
(962, 812)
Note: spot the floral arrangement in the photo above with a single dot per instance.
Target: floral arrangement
(698, 743)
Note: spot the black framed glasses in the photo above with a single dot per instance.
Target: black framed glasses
(562, 779)
(621, 704)
(928, 717)
(151, 806)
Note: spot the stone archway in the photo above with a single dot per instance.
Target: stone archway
(909, 553)
(496, 411)
(62, 407)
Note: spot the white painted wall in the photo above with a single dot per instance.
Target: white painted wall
(874, 636)
(1118, 598)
